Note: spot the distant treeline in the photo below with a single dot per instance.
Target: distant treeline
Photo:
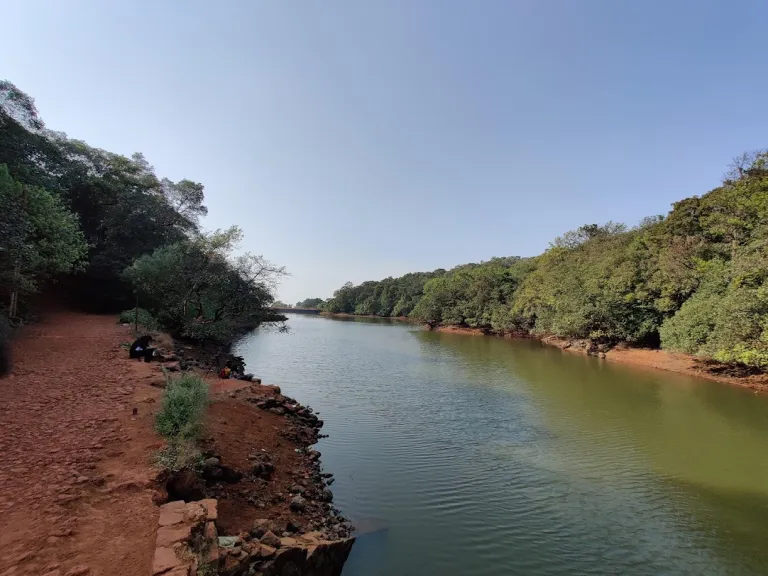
(693, 281)
(109, 231)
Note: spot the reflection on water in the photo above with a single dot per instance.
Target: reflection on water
(469, 455)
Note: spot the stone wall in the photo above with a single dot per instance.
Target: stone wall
(188, 543)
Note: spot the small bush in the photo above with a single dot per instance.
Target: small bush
(178, 455)
(183, 408)
(145, 318)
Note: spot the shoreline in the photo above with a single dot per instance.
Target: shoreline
(259, 471)
(656, 359)
(347, 315)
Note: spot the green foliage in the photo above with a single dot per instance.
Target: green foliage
(197, 289)
(39, 237)
(67, 207)
(310, 303)
(388, 297)
(124, 209)
(695, 280)
(183, 409)
(145, 318)
(474, 295)
(179, 454)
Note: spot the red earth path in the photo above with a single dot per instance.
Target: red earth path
(76, 481)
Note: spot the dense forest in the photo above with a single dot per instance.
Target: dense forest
(104, 231)
(694, 281)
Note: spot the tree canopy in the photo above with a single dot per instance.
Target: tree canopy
(83, 216)
(695, 280)
(310, 303)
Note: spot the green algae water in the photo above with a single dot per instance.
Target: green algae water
(463, 455)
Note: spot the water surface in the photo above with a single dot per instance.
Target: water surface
(465, 455)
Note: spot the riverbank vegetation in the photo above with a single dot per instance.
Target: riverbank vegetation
(180, 420)
(103, 230)
(694, 281)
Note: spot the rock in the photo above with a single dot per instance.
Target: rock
(167, 536)
(296, 489)
(260, 527)
(288, 542)
(165, 559)
(298, 504)
(292, 527)
(211, 508)
(601, 354)
(330, 481)
(173, 366)
(211, 463)
(211, 537)
(172, 513)
(278, 410)
(230, 475)
(267, 551)
(263, 468)
(326, 495)
(270, 539)
(194, 512)
(228, 541)
(314, 455)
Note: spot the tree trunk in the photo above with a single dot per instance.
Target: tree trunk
(14, 304)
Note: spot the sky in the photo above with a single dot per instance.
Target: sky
(358, 140)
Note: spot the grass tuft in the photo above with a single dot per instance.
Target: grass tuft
(180, 421)
(184, 403)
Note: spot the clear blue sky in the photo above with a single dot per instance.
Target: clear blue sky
(356, 140)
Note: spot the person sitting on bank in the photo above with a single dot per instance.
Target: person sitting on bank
(141, 348)
(226, 372)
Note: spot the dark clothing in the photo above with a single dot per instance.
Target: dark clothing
(5, 359)
(141, 349)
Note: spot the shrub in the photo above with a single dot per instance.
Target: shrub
(145, 318)
(183, 408)
(178, 455)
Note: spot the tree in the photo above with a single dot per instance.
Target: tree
(197, 289)
(310, 303)
(39, 238)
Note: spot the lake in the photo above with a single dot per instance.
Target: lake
(469, 455)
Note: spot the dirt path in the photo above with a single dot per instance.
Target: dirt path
(75, 479)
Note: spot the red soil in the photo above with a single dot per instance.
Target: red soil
(76, 480)
(236, 430)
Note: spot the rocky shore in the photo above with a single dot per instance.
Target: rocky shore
(274, 506)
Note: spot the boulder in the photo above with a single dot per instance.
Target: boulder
(267, 551)
(211, 508)
(298, 504)
(260, 527)
(165, 559)
(270, 539)
(228, 541)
